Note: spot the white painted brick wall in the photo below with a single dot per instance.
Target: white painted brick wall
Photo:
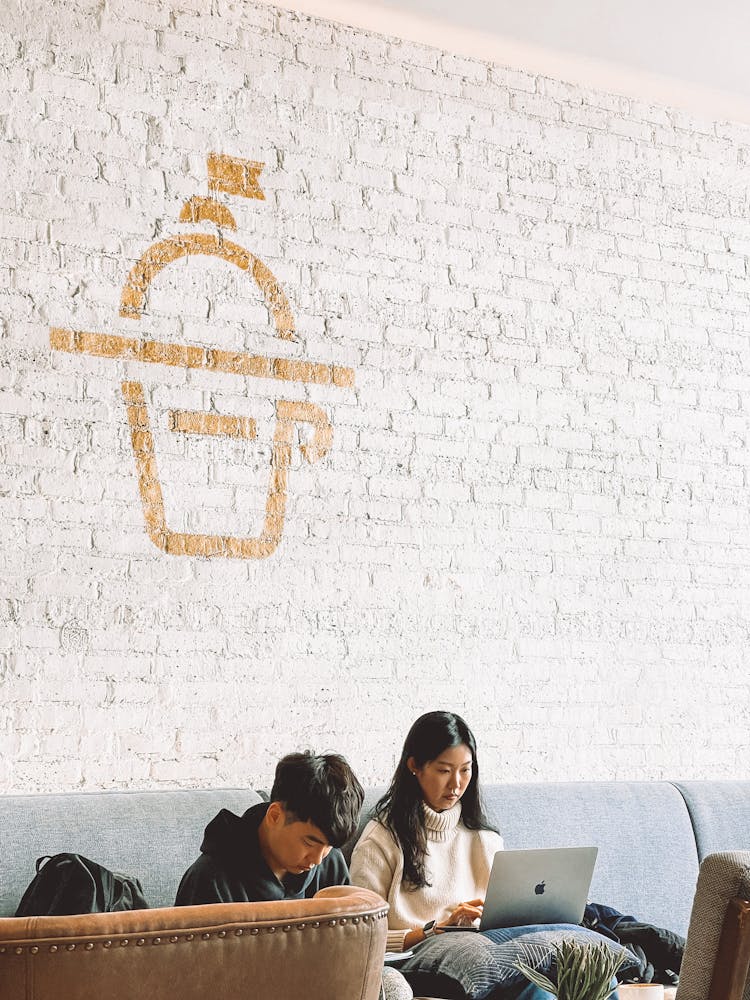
(536, 507)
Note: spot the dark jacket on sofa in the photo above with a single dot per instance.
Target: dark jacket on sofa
(231, 868)
(657, 950)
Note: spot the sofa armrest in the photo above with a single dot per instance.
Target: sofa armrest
(313, 949)
(717, 950)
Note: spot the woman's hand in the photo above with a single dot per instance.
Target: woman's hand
(465, 914)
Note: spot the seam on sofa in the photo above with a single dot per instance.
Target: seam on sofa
(691, 817)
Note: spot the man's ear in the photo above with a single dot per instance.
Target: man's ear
(275, 814)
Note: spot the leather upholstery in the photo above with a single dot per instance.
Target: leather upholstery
(326, 948)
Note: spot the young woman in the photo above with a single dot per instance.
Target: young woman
(429, 852)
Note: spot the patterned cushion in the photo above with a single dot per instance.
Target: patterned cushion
(472, 965)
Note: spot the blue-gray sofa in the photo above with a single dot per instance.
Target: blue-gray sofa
(651, 835)
(651, 838)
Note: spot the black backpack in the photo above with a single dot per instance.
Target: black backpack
(70, 883)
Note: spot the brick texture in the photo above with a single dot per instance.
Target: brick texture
(515, 407)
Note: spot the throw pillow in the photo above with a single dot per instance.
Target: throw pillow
(471, 965)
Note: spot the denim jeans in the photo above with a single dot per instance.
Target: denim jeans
(531, 992)
(528, 992)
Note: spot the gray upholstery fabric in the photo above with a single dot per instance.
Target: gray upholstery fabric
(722, 876)
(395, 987)
(720, 812)
(647, 866)
(647, 863)
(371, 797)
(152, 835)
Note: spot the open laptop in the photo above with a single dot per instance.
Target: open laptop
(537, 887)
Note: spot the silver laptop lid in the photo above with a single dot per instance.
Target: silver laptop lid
(538, 887)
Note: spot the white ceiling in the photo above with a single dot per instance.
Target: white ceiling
(688, 54)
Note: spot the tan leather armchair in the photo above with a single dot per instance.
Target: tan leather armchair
(326, 948)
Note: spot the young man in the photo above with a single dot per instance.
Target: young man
(287, 848)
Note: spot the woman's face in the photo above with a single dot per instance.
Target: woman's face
(444, 780)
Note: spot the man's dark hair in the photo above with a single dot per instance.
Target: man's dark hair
(320, 789)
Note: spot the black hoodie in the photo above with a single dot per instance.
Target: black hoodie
(231, 868)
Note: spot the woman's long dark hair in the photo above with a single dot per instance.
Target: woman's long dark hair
(401, 809)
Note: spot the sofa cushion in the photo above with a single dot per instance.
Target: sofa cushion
(153, 835)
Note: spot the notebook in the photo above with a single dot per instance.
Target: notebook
(537, 887)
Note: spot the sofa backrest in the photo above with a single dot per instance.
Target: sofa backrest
(647, 864)
(645, 832)
(152, 835)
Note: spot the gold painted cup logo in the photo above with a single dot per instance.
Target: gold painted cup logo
(239, 177)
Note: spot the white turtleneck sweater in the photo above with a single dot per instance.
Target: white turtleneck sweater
(457, 865)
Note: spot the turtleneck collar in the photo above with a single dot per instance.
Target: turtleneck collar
(441, 825)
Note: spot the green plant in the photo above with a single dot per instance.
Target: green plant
(584, 971)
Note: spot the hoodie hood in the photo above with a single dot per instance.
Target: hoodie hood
(233, 839)
(231, 867)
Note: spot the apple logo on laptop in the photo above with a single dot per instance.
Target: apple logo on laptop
(539, 888)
